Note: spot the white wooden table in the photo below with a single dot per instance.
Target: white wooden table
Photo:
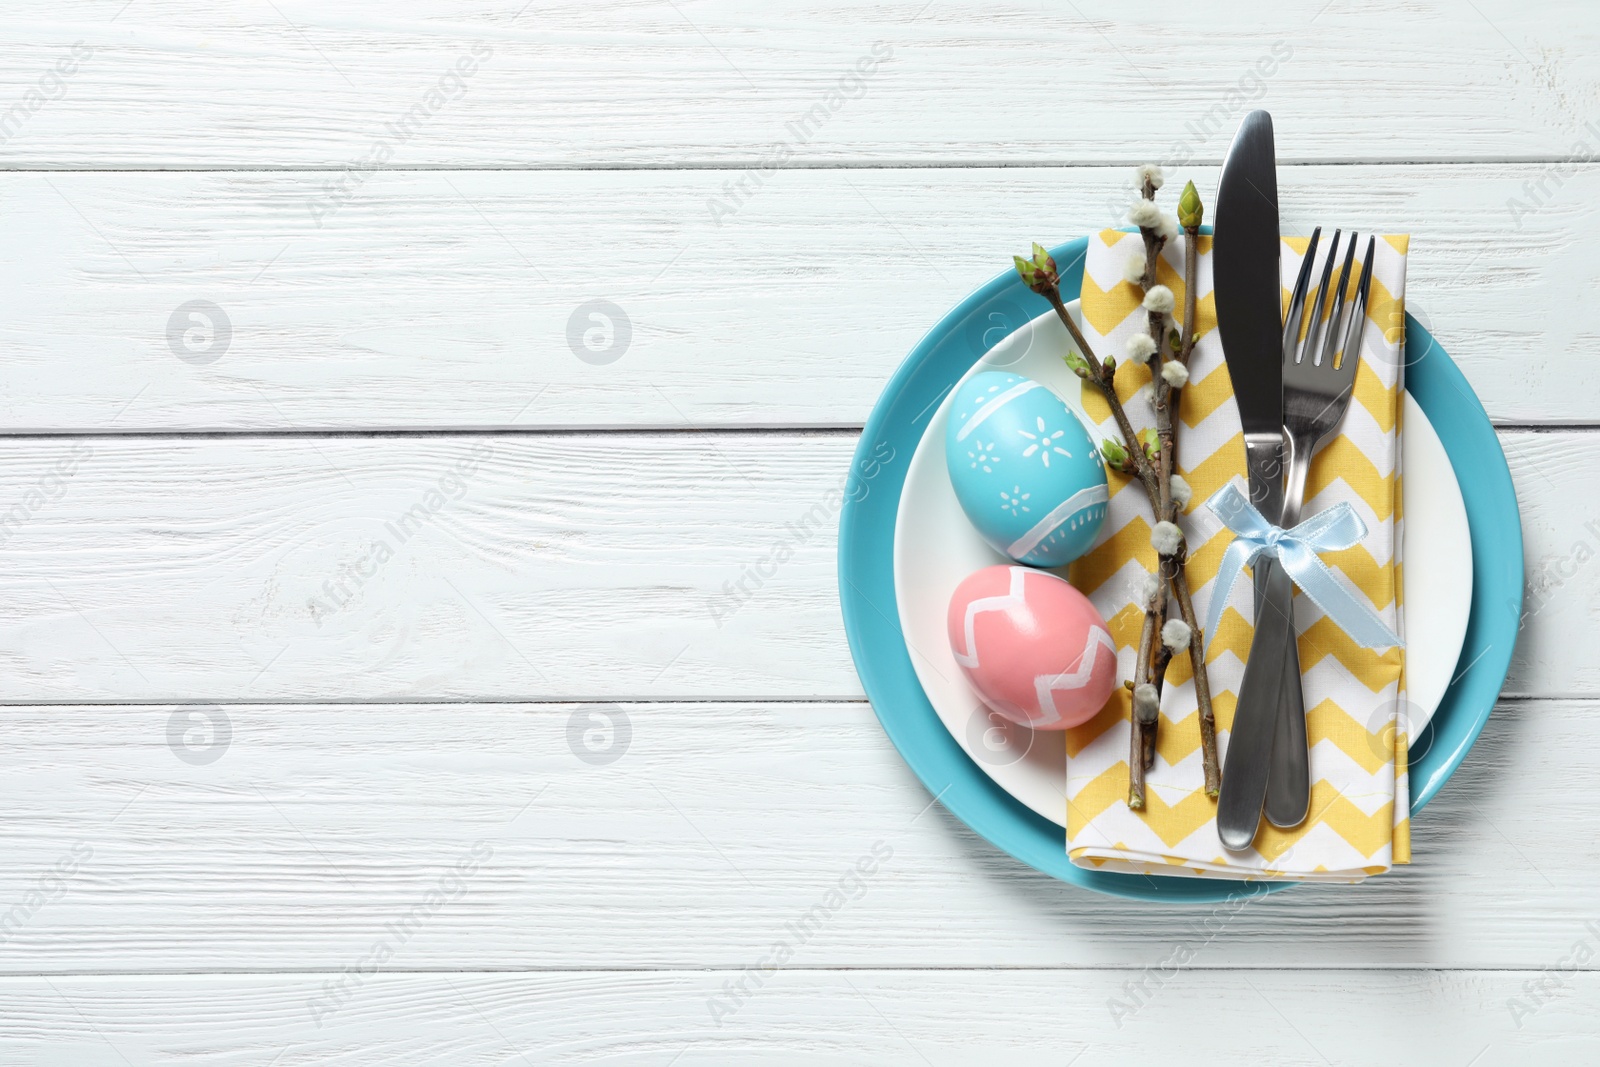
(525, 784)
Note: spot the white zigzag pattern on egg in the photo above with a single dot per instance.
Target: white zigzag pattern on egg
(1045, 685)
(1048, 685)
(1013, 598)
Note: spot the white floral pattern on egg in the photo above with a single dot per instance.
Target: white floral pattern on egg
(1025, 470)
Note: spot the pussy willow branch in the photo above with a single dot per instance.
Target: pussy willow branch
(1142, 748)
(1138, 464)
(1141, 742)
(1166, 398)
(1154, 473)
(1197, 642)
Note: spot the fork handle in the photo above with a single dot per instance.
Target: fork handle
(1289, 773)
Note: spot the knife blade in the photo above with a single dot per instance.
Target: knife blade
(1245, 273)
(1244, 257)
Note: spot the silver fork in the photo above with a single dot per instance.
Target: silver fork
(1318, 379)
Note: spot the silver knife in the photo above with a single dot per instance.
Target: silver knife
(1250, 324)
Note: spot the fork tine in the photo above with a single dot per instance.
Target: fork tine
(1336, 316)
(1314, 332)
(1297, 302)
(1352, 339)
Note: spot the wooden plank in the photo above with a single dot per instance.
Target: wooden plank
(580, 84)
(465, 300)
(413, 567)
(1554, 476)
(920, 1018)
(484, 567)
(266, 837)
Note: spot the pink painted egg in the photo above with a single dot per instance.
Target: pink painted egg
(1034, 648)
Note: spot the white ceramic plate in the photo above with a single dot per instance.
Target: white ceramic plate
(935, 547)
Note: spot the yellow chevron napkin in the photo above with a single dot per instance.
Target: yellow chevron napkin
(1359, 821)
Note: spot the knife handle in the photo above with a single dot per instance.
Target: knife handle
(1289, 771)
(1255, 717)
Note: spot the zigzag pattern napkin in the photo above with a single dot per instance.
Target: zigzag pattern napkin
(1359, 822)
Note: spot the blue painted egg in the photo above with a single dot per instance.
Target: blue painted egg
(1026, 471)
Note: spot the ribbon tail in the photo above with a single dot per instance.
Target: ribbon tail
(1239, 553)
(1318, 582)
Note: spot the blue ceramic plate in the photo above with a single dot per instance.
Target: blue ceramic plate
(866, 583)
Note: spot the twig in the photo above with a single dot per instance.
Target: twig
(1137, 748)
(1160, 398)
(1042, 277)
(1202, 685)
(1166, 385)
(1190, 214)
(1102, 378)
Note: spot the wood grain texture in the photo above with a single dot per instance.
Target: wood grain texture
(562, 566)
(476, 567)
(374, 829)
(265, 837)
(461, 300)
(1293, 1019)
(578, 84)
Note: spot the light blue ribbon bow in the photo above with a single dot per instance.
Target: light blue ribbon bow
(1339, 527)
